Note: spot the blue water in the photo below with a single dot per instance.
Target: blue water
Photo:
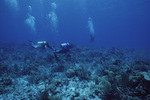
(124, 23)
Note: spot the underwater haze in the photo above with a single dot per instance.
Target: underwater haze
(123, 23)
(74, 49)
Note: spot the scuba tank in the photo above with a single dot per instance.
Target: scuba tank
(41, 42)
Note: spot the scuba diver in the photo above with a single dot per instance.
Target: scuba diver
(64, 47)
(42, 44)
(92, 38)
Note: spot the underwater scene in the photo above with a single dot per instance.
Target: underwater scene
(74, 50)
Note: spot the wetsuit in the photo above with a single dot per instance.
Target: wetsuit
(65, 47)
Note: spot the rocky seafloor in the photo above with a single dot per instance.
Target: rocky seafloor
(82, 74)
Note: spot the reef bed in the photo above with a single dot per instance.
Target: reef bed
(82, 74)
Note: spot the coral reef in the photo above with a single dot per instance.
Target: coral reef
(82, 74)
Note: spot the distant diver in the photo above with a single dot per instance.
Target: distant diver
(91, 27)
(64, 47)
